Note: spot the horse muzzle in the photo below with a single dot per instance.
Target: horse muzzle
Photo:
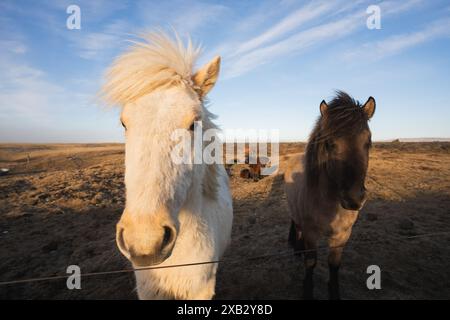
(146, 241)
(354, 200)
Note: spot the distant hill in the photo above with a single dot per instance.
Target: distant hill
(424, 139)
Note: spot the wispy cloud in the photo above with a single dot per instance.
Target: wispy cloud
(29, 96)
(293, 44)
(187, 17)
(278, 41)
(93, 41)
(102, 44)
(13, 46)
(197, 16)
(398, 43)
(95, 44)
(24, 92)
(292, 21)
(392, 6)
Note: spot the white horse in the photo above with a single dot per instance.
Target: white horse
(174, 213)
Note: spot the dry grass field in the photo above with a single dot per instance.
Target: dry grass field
(59, 205)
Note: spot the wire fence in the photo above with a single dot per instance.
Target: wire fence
(289, 252)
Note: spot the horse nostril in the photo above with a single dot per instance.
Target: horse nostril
(167, 239)
(121, 242)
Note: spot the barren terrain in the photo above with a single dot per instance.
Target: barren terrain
(59, 205)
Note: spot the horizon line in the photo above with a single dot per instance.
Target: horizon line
(432, 139)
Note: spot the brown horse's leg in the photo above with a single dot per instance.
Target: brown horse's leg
(336, 244)
(294, 241)
(310, 264)
(334, 262)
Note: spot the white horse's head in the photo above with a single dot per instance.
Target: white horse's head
(154, 84)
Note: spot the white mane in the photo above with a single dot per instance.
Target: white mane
(157, 61)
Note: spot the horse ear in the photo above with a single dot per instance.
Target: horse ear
(323, 108)
(369, 107)
(206, 77)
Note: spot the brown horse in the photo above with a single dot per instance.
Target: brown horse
(325, 187)
(255, 164)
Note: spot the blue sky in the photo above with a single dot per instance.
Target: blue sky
(279, 60)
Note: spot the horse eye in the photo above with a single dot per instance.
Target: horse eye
(329, 145)
(191, 128)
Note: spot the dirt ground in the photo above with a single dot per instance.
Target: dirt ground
(59, 205)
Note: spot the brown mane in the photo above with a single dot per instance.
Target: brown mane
(344, 117)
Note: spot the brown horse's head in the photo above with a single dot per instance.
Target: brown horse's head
(339, 149)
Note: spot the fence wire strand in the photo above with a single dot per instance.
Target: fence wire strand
(289, 252)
